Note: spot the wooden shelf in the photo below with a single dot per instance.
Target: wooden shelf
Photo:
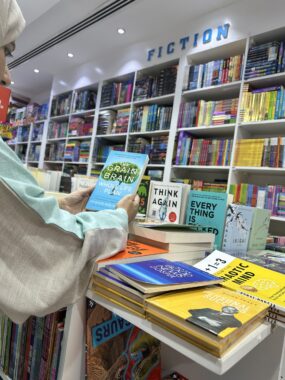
(56, 139)
(113, 136)
(150, 133)
(82, 113)
(53, 162)
(216, 365)
(277, 218)
(274, 79)
(79, 137)
(59, 117)
(75, 163)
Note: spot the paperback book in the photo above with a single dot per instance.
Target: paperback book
(208, 209)
(166, 202)
(120, 176)
(161, 275)
(247, 278)
(212, 318)
(116, 349)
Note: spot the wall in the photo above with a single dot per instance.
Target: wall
(245, 17)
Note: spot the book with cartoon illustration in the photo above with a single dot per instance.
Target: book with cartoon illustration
(246, 277)
(212, 318)
(116, 349)
(120, 176)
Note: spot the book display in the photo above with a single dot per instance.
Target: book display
(211, 128)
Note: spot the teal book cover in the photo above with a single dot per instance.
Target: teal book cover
(237, 229)
(120, 176)
(208, 210)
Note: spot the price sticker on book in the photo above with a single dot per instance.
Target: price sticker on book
(214, 262)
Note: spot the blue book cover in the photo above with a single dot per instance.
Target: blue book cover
(163, 273)
(208, 209)
(120, 176)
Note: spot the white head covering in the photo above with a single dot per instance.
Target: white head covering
(12, 21)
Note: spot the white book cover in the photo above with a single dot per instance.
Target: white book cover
(166, 200)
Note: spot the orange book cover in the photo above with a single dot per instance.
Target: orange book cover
(134, 251)
(4, 103)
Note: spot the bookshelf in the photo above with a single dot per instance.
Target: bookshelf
(178, 354)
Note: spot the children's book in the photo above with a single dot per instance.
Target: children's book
(237, 228)
(213, 318)
(246, 277)
(166, 202)
(120, 176)
(208, 209)
(154, 276)
(116, 349)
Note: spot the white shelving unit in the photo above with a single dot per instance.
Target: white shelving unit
(189, 353)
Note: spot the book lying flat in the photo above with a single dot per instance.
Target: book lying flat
(120, 176)
(171, 233)
(157, 276)
(136, 251)
(212, 318)
(247, 278)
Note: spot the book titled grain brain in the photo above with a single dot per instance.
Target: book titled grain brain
(120, 176)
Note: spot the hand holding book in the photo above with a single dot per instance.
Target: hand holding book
(130, 203)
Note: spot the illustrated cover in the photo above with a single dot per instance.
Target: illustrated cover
(246, 277)
(237, 228)
(259, 229)
(143, 192)
(161, 274)
(208, 209)
(120, 176)
(217, 310)
(116, 349)
(165, 201)
(134, 251)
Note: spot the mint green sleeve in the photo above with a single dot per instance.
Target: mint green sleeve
(47, 255)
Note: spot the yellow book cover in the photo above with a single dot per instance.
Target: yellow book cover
(215, 310)
(248, 278)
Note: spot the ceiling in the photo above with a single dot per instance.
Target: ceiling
(143, 20)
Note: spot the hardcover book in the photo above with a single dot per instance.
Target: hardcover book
(208, 209)
(161, 275)
(120, 176)
(116, 349)
(212, 318)
(246, 277)
(166, 202)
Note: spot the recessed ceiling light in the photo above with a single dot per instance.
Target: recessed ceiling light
(70, 55)
(12, 82)
(36, 71)
(121, 31)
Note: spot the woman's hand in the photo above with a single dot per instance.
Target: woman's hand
(131, 204)
(76, 201)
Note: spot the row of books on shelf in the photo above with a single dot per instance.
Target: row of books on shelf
(113, 121)
(194, 151)
(81, 100)
(156, 84)
(213, 73)
(262, 103)
(32, 350)
(265, 59)
(22, 133)
(77, 151)
(33, 112)
(206, 113)
(270, 197)
(268, 152)
(155, 147)
(116, 93)
(151, 118)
